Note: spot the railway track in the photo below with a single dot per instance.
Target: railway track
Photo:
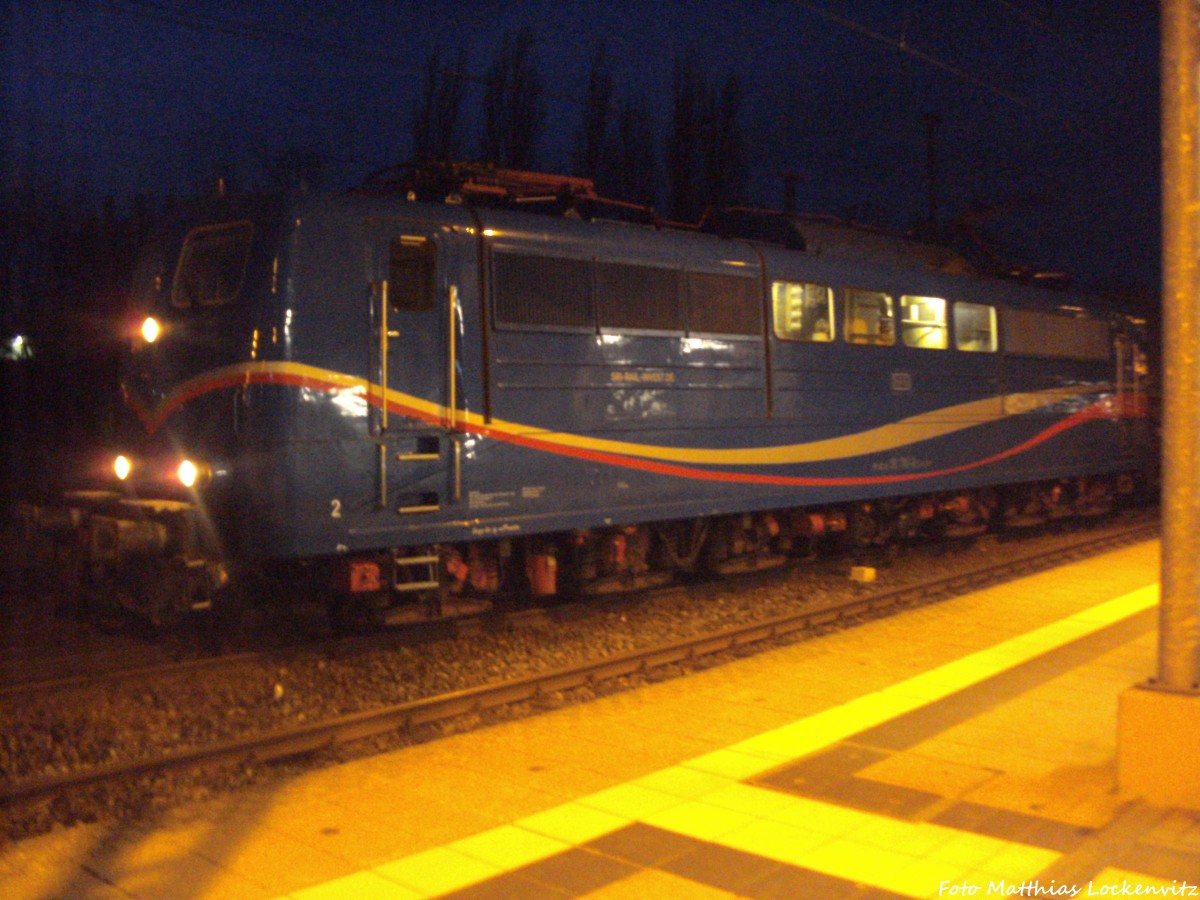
(322, 735)
(114, 661)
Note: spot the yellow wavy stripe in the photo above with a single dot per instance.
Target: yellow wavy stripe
(893, 436)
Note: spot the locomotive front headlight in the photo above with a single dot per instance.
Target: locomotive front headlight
(122, 467)
(193, 474)
(188, 473)
(151, 330)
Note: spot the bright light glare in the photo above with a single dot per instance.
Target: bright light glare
(151, 329)
(122, 466)
(188, 473)
(16, 347)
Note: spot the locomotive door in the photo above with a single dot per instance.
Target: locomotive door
(414, 328)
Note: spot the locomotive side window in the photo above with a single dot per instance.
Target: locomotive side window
(212, 265)
(543, 291)
(412, 285)
(975, 327)
(869, 318)
(638, 297)
(803, 311)
(723, 304)
(923, 322)
(1055, 336)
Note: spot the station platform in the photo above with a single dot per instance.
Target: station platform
(963, 749)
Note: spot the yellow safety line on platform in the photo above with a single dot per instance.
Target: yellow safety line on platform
(705, 798)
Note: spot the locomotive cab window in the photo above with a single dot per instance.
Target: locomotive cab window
(802, 311)
(923, 322)
(869, 318)
(975, 327)
(212, 265)
(411, 274)
(149, 276)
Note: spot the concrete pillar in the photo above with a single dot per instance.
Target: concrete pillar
(1158, 723)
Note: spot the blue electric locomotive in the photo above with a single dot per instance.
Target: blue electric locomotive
(430, 405)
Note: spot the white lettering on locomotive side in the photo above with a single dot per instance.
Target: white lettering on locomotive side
(642, 377)
(490, 499)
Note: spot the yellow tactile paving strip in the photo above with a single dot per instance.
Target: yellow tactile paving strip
(705, 798)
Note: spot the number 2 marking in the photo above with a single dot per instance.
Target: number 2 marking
(335, 509)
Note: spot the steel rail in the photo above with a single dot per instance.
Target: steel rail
(116, 676)
(330, 733)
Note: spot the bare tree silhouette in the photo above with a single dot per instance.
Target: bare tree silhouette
(513, 111)
(436, 130)
(593, 141)
(705, 152)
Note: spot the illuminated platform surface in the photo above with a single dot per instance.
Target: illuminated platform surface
(965, 749)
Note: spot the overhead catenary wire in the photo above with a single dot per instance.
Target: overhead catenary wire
(1076, 46)
(201, 23)
(157, 12)
(217, 39)
(903, 45)
(153, 10)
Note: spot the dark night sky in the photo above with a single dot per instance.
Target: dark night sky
(1048, 109)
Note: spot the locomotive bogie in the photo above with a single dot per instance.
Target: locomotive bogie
(442, 407)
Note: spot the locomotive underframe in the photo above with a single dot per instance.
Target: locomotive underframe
(161, 559)
(454, 579)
